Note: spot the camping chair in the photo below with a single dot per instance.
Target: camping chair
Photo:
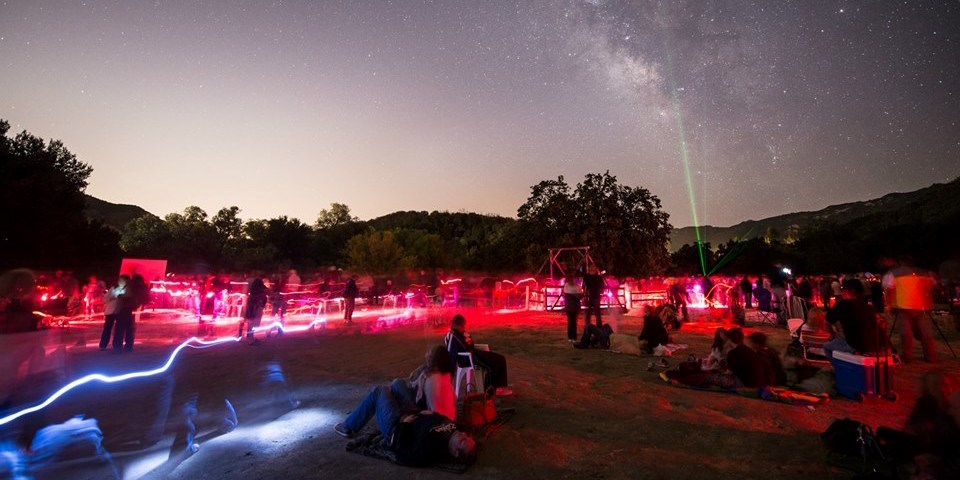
(798, 307)
(329, 300)
(768, 310)
(770, 313)
(811, 339)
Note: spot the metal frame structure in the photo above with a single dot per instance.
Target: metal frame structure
(584, 259)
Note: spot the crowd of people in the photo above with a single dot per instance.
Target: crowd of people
(417, 415)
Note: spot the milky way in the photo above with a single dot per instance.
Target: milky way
(282, 108)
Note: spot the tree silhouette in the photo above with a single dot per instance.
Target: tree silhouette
(42, 221)
(625, 226)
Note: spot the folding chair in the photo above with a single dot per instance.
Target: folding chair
(811, 341)
(472, 374)
(772, 314)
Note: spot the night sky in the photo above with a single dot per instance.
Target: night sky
(282, 108)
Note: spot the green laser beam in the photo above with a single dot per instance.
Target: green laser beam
(733, 253)
(685, 157)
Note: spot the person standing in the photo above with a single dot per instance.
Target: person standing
(129, 300)
(572, 293)
(747, 288)
(293, 281)
(909, 293)
(706, 283)
(110, 303)
(825, 291)
(350, 293)
(256, 301)
(593, 288)
(92, 296)
(278, 303)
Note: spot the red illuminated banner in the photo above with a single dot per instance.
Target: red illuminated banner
(150, 269)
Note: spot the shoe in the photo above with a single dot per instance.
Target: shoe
(342, 430)
(503, 392)
(571, 340)
(254, 342)
(579, 346)
(664, 363)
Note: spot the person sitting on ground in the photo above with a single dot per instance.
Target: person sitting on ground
(458, 340)
(717, 360)
(932, 432)
(858, 329)
(935, 424)
(419, 438)
(776, 375)
(594, 336)
(668, 314)
(432, 385)
(653, 333)
(749, 368)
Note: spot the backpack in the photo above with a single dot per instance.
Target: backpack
(478, 410)
(851, 438)
(843, 437)
(605, 332)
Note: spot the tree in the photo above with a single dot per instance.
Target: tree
(227, 223)
(42, 220)
(194, 239)
(337, 214)
(377, 253)
(229, 228)
(428, 250)
(625, 227)
(147, 236)
(687, 259)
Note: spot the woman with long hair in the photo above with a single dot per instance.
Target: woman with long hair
(430, 386)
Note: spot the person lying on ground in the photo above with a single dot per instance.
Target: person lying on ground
(458, 341)
(419, 438)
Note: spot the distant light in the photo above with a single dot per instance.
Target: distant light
(787, 271)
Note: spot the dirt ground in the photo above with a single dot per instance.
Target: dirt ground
(578, 413)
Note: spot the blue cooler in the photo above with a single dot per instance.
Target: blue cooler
(862, 375)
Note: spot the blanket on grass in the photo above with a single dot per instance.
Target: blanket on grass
(630, 345)
(774, 394)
